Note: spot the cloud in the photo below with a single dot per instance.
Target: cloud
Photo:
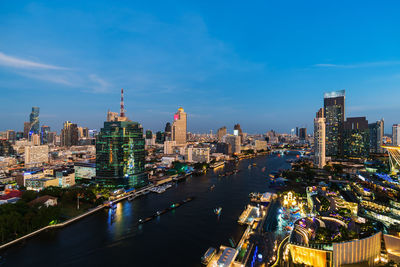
(9, 61)
(359, 65)
(99, 84)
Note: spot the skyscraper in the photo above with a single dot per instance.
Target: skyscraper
(44, 134)
(334, 111)
(237, 130)
(34, 121)
(120, 154)
(376, 133)
(27, 127)
(179, 127)
(168, 132)
(356, 138)
(303, 133)
(221, 133)
(69, 134)
(319, 139)
(396, 134)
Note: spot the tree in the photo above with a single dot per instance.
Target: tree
(29, 195)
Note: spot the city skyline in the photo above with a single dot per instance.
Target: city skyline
(222, 71)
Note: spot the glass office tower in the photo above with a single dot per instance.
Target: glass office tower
(334, 109)
(120, 155)
(34, 121)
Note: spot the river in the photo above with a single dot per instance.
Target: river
(177, 238)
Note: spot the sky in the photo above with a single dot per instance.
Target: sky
(263, 64)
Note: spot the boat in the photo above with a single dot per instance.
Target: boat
(254, 164)
(210, 253)
(263, 169)
(212, 187)
(249, 167)
(218, 210)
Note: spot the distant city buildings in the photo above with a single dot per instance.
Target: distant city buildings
(221, 133)
(69, 134)
(35, 156)
(396, 134)
(334, 112)
(234, 142)
(303, 134)
(34, 121)
(319, 139)
(179, 127)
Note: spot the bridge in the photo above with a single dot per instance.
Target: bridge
(394, 158)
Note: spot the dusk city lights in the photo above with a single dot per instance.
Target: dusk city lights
(200, 133)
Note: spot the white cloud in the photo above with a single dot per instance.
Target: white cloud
(9, 61)
(359, 65)
(99, 84)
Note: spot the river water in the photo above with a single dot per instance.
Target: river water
(177, 238)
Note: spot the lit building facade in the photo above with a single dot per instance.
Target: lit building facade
(120, 155)
(69, 134)
(179, 127)
(221, 133)
(36, 155)
(334, 112)
(319, 139)
(376, 133)
(356, 138)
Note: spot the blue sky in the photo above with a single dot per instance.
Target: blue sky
(263, 64)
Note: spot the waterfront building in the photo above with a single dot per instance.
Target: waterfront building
(234, 142)
(44, 134)
(319, 139)
(396, 134)
(69, 134)
(303, 134)
(237, 130)
(120, 153)
(35, 156)
(84, 171)
(334, 112)
(221, 133)
(198, 154)
(224, 148)
(179, 127)
(34, 121)
(376, 133)
(260, 145)
(356, 138)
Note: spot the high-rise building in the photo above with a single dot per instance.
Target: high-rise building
(168, 132)
(169, 147)
(319, 139)
(160, 137)
(85, 132)
(198, 154)
(221, 133)
(396, 134)
(69, 134)
(11, 136)
(297, 131)
(303, 133)
(120, 153)
(334, 111)
(35, 139)
(376, 133)
(356, 137)
(179, 127)
(34, 121)
(234, 142)
(27, 127)
(35, 156)
(52, 138)
(44, 134)
(237, 130)
(6, 148)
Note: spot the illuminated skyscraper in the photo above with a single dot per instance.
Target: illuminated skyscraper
(179, 127)
(376, 133)
(34, 121)
(319, 139)
(356, 137)
(120, 154)
(334, 111)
